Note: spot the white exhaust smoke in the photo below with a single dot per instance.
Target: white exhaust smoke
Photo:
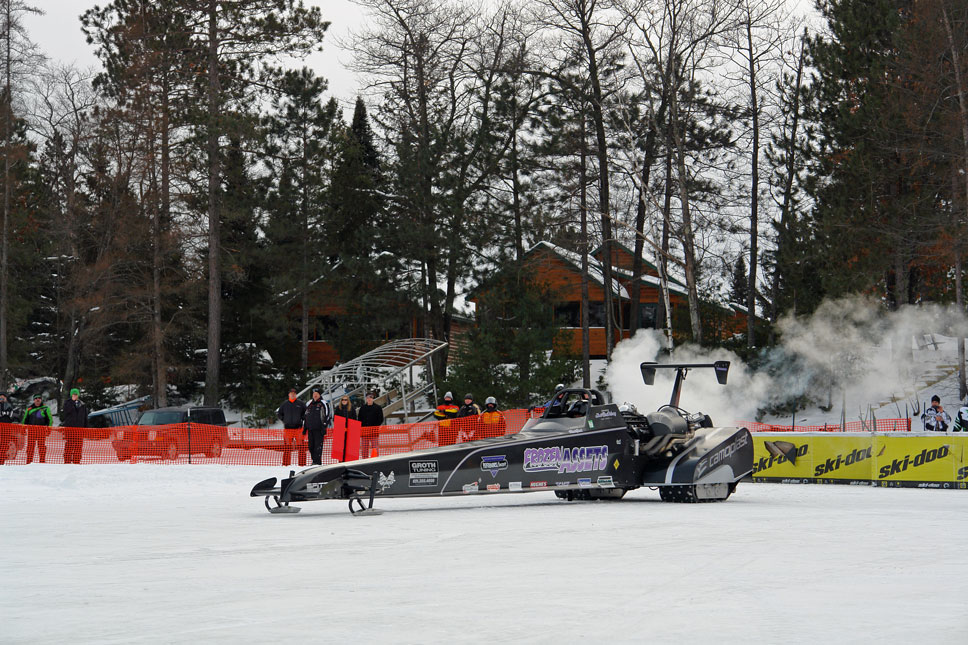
(850, 354)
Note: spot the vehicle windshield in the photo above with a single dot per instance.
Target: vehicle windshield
(160, 417)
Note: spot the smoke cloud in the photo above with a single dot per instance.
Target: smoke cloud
(849, 355)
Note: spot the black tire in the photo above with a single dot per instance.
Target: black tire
(565, 494)
(10, 450)
(215, 450)
(172, 452)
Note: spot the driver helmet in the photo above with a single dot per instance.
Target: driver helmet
(490, 402)
(559, 387)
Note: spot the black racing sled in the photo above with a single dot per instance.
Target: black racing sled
(582, 447)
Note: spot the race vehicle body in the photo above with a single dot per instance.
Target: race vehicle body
(581, 447)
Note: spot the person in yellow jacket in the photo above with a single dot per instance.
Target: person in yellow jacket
(444, 413)
(493, 423)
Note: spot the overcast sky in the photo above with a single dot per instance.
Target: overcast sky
(58, 34)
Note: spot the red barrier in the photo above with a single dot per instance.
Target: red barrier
(195, 443)
(878, 425)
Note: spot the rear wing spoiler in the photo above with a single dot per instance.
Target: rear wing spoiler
(648, 369)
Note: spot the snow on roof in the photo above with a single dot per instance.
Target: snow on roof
(595, 270)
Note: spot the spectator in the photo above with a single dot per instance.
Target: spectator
(6, 410)
(493, 422)
(73, 417)
(469, 408)
(371, 418)
(343, 412)
(291, 413)
(318, 417)
(935, 418)
(468, 419)
(37, 418)
(444, 413)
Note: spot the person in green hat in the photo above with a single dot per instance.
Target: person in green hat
(73, 420)
(38, 421)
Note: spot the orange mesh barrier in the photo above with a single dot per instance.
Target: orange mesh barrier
(878, 425)
(203, 444)
(195, 443)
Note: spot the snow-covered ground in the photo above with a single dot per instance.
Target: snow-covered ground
(144, 553)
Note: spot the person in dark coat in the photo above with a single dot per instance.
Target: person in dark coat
(371, 418)
(318, 418)
(6, 410)
(73, 417)
(37, 417)
(291, 413)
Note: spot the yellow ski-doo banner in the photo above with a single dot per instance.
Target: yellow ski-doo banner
(886, 459)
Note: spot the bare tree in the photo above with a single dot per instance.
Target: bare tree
(20, 57)
(761, 32)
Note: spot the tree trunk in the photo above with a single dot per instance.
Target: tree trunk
(688, 242)
(754, 193)
(586, 377)
(4, 246)
(598, 116)
(213, 359)
(159, 225)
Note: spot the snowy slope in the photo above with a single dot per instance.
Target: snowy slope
(142, 553)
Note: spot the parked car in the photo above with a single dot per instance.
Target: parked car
(99, 422)
(170, 432)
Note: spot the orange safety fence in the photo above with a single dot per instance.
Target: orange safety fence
(205, 444)
(184, 443)
(874, 425)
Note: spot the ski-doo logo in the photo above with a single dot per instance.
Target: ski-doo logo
(855, 456)
(494, 463)
(714, 459)
(898, 466)
(566, 460)
(962, 473)
(780, 453)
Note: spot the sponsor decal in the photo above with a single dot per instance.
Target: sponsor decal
(855, 456)
(493, 463)
(565, 460)
(962, 474)
(898, 466)
(470, 488)
(780, 452)
(538, 484)
(615, 464)
(423, 466)
(493, 488)
(929, 485)
(605, 414)
(562, 483)
(386, 481)
(315, 486)
(714, 459)
(584, 482)
(576, 431)
(423, 473)
(605, 481)
(514, 485)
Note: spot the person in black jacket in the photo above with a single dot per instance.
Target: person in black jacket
(291, 413)
(73, 417)
(371, 418)
(6, 410)
(318, 417)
